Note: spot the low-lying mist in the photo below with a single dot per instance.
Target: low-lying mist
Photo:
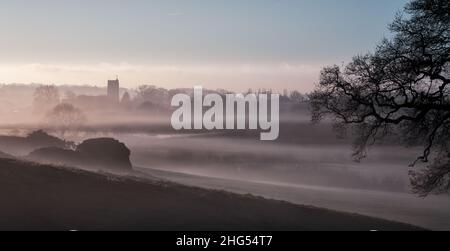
(308, 164)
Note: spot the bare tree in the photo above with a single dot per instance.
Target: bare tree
(45, 98)
(65, 118)
(297, 97)
(400, 90)
(150, 93)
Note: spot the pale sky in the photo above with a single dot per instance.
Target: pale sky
(230, 44)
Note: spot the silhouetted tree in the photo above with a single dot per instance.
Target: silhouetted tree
(45, 98)
(297, 97)
(66, 117)
(400, 89)
(125, 102)
(150, 93)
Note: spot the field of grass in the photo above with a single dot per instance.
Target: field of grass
(40, 197)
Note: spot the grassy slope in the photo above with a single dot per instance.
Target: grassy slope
(37, 197)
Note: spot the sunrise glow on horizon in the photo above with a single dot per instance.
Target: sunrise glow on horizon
(233, 45)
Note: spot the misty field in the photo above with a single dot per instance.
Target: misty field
(312, 167)
(40, 197)
(308, 165)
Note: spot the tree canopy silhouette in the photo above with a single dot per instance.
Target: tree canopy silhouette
(45, 98)
(400, 90)
(65, 117)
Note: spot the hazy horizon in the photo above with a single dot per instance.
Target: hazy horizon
(232, 45)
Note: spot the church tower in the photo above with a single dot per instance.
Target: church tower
(113, 90)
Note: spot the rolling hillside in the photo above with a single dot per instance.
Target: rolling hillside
(39, 197)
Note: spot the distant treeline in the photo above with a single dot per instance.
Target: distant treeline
(19, 97)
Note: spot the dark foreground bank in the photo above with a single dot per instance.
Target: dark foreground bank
(39, 197)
